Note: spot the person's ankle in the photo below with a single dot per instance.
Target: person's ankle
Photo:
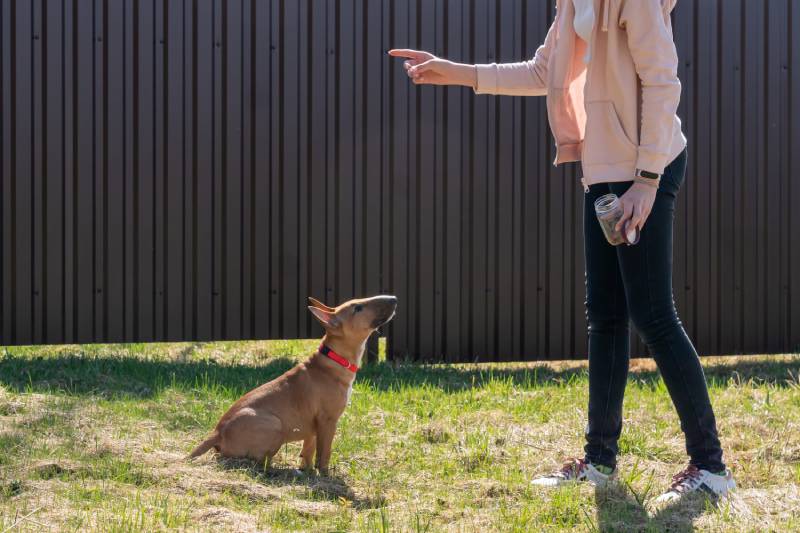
(716, 470)
(603, 469)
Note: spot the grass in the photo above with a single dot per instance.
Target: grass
(93, 438)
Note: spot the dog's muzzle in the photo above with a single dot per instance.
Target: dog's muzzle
(382, 320)
(386, 306)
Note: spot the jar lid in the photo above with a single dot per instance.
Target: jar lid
(606, 203)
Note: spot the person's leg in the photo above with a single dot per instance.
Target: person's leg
(607, 318)
(647, 274)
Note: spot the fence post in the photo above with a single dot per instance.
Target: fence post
(372, 349)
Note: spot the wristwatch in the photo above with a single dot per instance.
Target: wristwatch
(646, 174)
(646, 177)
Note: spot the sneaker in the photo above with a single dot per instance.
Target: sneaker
(575, 470)
(693, 479)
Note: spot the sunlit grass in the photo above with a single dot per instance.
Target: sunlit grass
(93, 438)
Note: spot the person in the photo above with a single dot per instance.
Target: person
(608, 69)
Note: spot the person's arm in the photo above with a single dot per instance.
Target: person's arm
(526, 78)
(656, 60)
(653, 50)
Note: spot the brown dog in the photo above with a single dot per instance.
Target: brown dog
(306, 402)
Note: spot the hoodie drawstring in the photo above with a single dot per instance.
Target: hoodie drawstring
(606, 14)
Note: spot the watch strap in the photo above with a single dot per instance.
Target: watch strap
(647, 181)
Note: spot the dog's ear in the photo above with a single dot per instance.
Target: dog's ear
(319, 305)
(327, 319)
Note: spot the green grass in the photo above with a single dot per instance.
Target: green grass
(93, 438)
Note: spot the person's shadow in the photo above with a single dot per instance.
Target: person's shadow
(620, 509)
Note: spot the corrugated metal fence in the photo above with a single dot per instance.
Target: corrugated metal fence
(192, 169)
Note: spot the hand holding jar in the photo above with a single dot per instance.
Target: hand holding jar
(609, 213)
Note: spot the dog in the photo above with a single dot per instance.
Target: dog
(306, 402)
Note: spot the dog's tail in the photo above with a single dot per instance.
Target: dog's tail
(206, 445)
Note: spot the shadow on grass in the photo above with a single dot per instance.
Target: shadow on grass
(780, 373)
(128, 376)
(125, 376)
(332, 487)
(618, 510)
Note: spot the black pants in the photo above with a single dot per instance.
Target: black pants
(635, 282)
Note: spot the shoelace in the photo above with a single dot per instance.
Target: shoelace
(572, 468)
(684, 479)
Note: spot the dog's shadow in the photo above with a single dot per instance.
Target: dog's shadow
(619, 510)
(332, 487)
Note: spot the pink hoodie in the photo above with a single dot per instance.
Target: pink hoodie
(616, 114)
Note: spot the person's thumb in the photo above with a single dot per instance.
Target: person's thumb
(418, 70)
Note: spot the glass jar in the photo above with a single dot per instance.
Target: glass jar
(609, 211)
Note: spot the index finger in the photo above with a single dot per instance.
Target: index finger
(411, 54)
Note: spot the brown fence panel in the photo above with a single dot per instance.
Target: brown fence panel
(191, 170)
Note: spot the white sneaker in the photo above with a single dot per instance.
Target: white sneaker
(575, 470)
(693, 479)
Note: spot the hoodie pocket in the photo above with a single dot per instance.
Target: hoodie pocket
(605, 142)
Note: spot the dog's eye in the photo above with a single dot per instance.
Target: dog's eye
(358, 309)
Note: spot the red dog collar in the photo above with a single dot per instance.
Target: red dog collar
(335, 357)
